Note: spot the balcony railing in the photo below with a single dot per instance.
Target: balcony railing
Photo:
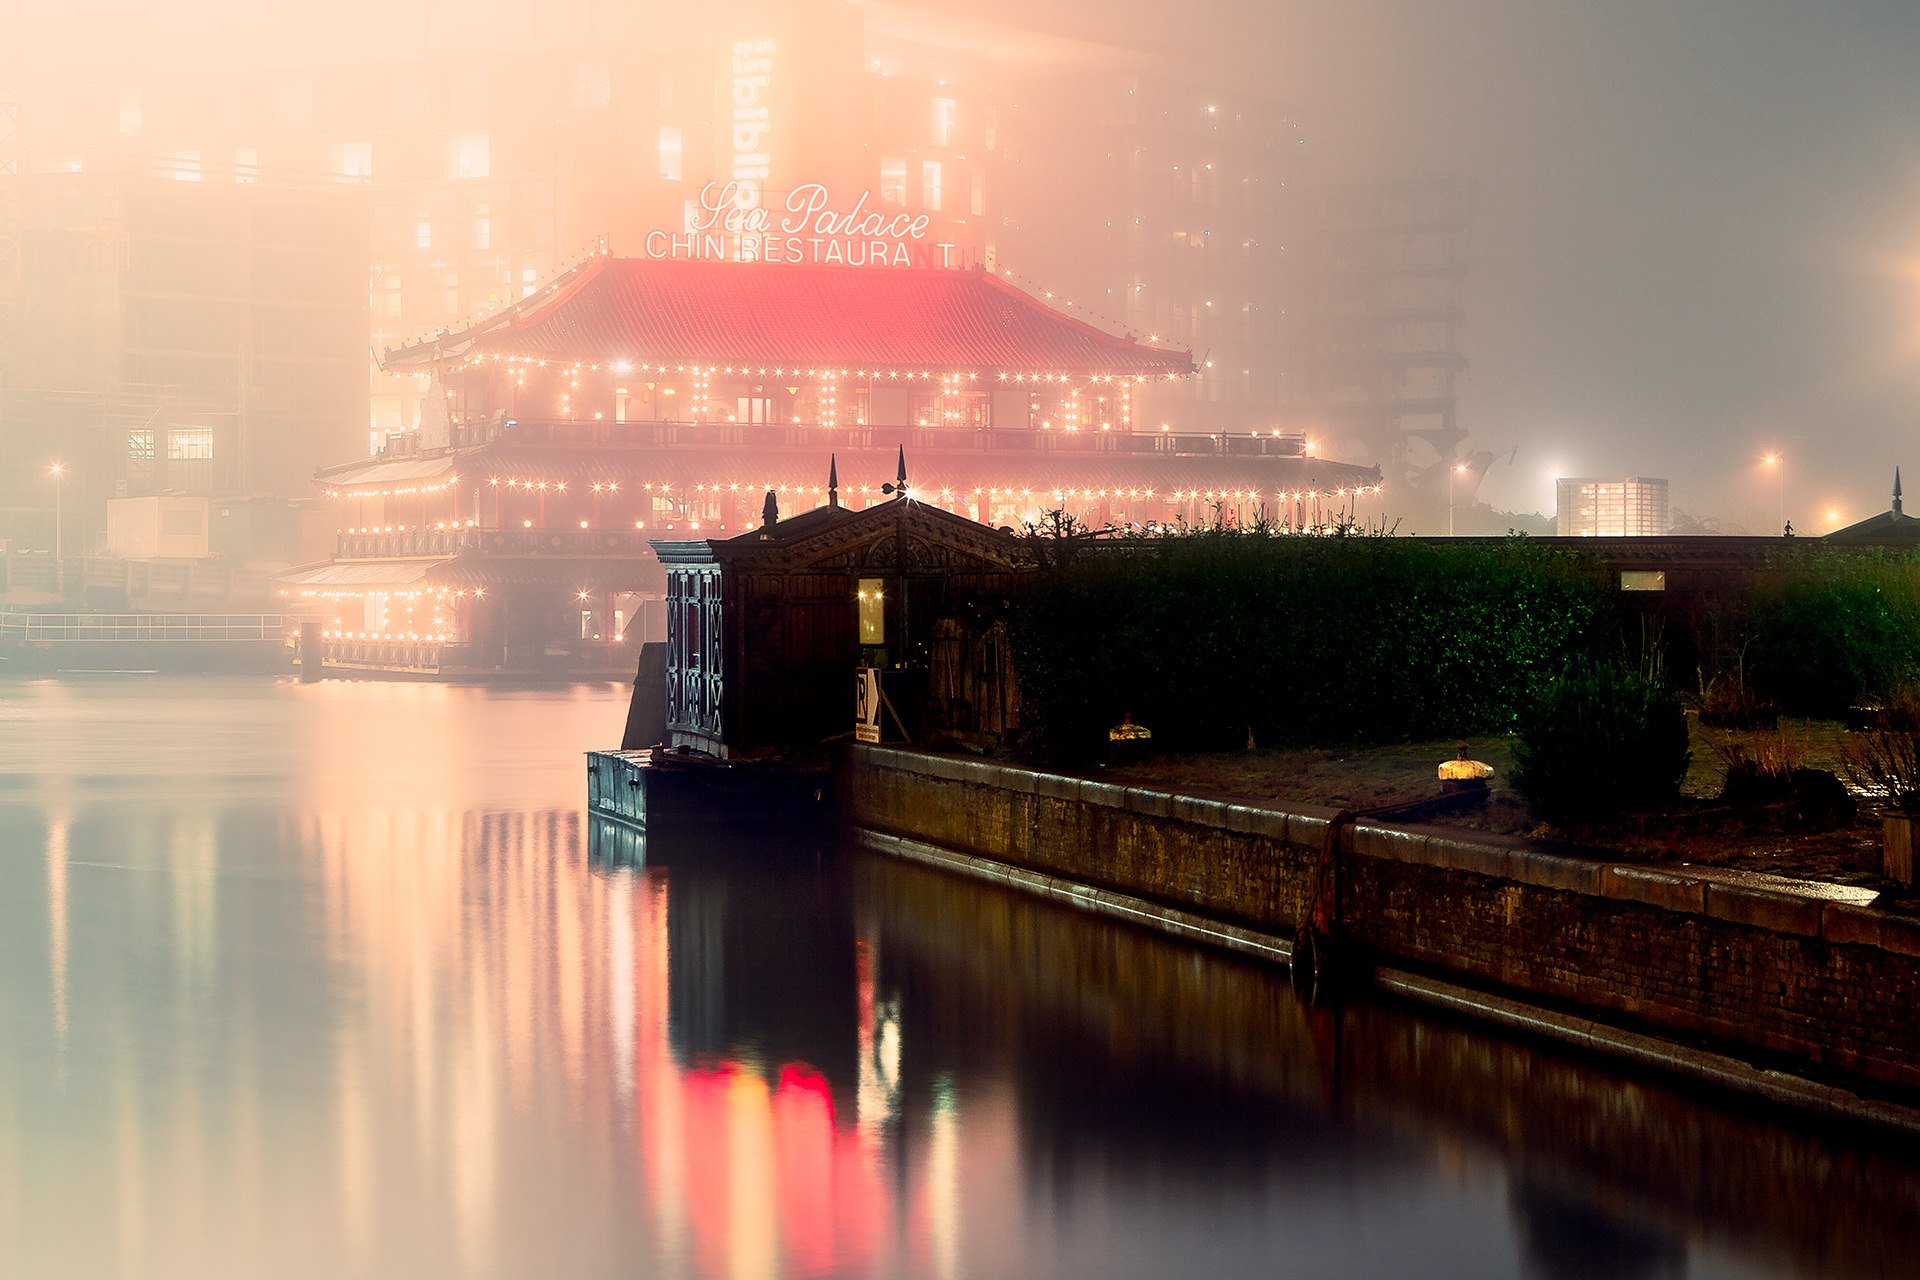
(139, 628)
(801, 437)
(402, 544)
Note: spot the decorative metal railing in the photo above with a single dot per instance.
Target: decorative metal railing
(140, 628)
(422, 543)
(811, 437)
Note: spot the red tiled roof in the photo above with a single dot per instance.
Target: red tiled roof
(664, 311)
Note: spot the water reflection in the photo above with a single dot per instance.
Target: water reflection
(340, 983)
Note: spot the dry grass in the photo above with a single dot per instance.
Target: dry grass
(1700, 830)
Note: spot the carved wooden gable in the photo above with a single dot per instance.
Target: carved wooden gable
(894, 537)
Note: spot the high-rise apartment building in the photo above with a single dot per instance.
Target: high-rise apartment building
(171, 336)
(1630, 508)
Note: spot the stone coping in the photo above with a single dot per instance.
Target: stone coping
(1780, 904)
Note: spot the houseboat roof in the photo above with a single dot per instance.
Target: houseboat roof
(669, 312)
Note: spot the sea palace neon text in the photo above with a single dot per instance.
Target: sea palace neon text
(809, 230)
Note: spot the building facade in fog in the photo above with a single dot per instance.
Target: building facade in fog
(1611, 508)
(189, 338)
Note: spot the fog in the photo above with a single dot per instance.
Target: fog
(1694, 232)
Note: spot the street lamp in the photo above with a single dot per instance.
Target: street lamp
(1777, 460)
(58, 470)
(1459, 469)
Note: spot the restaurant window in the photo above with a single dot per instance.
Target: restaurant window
(931, 176)
(754, 409)
(190, 444)
(671, 153)
(352, 159)
(893, 180)
(943, 122)
(873, 611)
(592, 83)
(470, 156)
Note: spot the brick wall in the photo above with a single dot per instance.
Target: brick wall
(1812, 972)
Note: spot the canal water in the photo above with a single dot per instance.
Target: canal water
(335, 980)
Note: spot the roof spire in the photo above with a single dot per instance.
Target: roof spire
(770, 510)
(833, 480)
(899, 485)
(1896, 491)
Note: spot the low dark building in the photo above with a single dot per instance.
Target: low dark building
(766, 630)
(1891, 528)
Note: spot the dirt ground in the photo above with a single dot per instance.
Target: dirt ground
(1701, 830)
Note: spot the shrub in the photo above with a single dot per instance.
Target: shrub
(1601, 739)
(1833, 635)
(1760, 767)
(1885, 760)
(1208, 636)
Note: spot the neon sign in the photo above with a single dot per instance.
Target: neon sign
(731, 223)
(752, 160)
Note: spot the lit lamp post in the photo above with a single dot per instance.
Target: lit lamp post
(1459, 469)
(58, 471)
(1777, 460)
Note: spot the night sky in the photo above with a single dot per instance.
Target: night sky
(1696, 230)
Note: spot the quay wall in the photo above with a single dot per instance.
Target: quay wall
(1793, 973)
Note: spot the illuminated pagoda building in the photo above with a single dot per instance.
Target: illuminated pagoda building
(638, 398)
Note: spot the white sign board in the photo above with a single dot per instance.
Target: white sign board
(866, 705)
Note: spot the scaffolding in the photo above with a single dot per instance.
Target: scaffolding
(1373, 283)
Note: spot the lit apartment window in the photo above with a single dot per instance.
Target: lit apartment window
(470, 156)
(529, 281)
(930, 182)
(423, 234)
(352, 159)
(130, 113)
(483, 227)
(450, 293)
(943, 122)
(140, 444)
(190, 444)
(893, 180)
(977, 204)
(670, 153)
(392, 311)
(181, 166)
(991, 129)
(246, 164)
